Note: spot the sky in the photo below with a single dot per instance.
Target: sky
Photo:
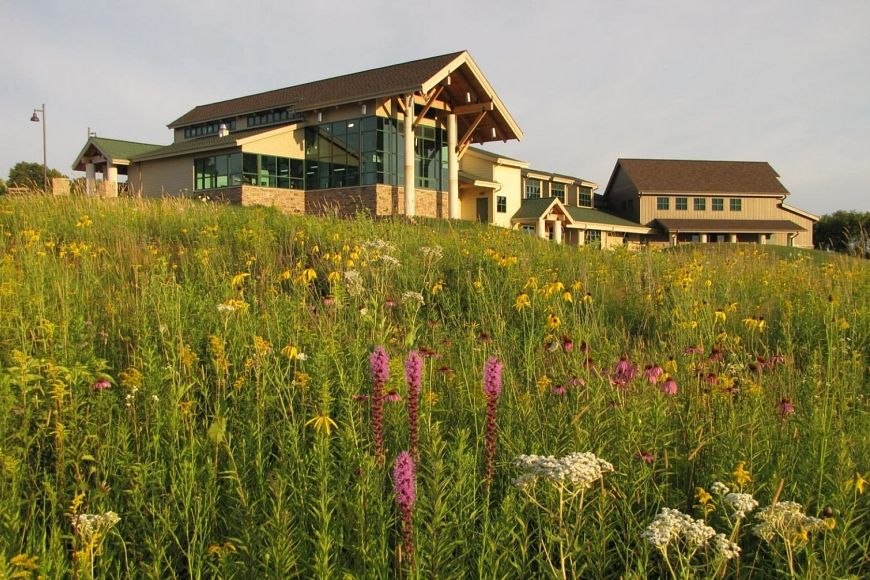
(588, 82)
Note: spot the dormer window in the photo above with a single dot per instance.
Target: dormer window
(209, 128)
(261, 118)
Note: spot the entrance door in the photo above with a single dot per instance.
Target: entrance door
(483, 210)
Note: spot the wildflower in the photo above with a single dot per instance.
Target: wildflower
(239, 279)
(522, 302)
(720, 316)
(567, 297)
(693, 350)
(292, 352)
(784, 408)
(410, 297)
(484, 337)
(787, 521)
(437, 287)
(624, 371)
(669, 386)
(328, 300)
(392, 397)
(645, 456)
(857, 481)
(587, 298)
(670, 365)
(379, 364)
(543, 383)
(725, 547)
(740, 475)
(405, 488)
(414, 379)
(322, 422)
(492, 372)
(578, 469)
(715, 355)
(390, 303)
(553, 321)
(558, 390)
(652, 373)
(671, 525)
(740, 503)
(102, 385)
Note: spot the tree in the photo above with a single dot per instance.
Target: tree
(844, 231)
(25, 174)
(2, 187)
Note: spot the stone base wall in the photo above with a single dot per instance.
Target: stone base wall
(375, 200)
(289, 201)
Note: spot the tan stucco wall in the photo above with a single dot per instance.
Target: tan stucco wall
(621, 190)
(289, 144)
(161, 177)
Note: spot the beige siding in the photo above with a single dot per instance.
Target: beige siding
(289, 144)
(622, 197)
(161, 177)
(511, 181)
(758, 208)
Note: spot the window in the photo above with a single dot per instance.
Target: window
(210, 128)
(501, 204)
(663, 203)
(700, 204)
(682, 203)
(585, 197)
(718, 204)
(736, 204)
(268, 117)
(249, 168)
(592, 236)
(371, 150)
(528, 229)
(558, 190)
(217, 171)
(533, 188)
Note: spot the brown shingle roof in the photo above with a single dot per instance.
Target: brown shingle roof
(731, 226)
(388, 80)
(678, 176)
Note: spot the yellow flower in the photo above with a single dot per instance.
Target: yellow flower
(478, 285)
(291, 352)
(239, 279)
(544, 383)
(720, 315)
(857, 481)
(437, 287)
(567, 297)
(702, 496)
(322, 422)
(842, 324)
(431, 397)
(333, 277)
(553, 321)
(522, 302)
(740, 475)
(285, 275)
(306, 276)
(587, 298)
(532, 283)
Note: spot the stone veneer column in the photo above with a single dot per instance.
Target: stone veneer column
(452, 169)
(409, 156)
(90, 178)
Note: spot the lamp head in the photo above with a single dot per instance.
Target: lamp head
(35, 117)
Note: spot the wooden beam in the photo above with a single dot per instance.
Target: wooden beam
(473, 108)
(400, 101)
(466, 139)
(434, 94)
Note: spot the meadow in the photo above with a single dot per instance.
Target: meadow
(194, 390)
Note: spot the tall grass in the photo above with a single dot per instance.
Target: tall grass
(200, 371)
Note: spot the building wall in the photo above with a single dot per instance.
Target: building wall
(623, 191)
(375, 200)
(511, 180)
(289, 144)
(162, 177)
(753, 208)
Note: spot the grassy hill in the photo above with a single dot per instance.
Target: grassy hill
(203, 373)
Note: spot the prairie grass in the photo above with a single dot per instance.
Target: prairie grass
(201, 371)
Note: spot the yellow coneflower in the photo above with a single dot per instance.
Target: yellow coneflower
(522, 302)
(322, 422)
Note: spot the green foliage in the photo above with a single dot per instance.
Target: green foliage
(196, 369)
(30, 175)
(2, 187)
(844, 231)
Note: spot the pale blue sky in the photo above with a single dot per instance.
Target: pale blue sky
(782, 81)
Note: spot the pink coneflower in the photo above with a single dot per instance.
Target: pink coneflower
(584, 348)
(776, 360)
(492, 389)
(567, 344)
(652, 373)
(558, 390)
(446, 371)
(393, 397)
(102, 385)
(484, 337)
(405, 487)
(328, 300)
(551, 344)
(645, 456)
(577, 382)
(624, 370)
(784, 408)
(669, 387)
(428, 352)
(390, 303)
(414, 379)
(380, 371)
(711, 379)
(693, 350)
(715, 355)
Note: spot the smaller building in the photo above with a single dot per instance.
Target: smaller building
(708, 201)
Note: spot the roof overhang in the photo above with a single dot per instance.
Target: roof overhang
(729, 226)
(800, 212)
(555, 209)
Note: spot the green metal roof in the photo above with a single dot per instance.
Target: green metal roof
(201, 144)
(534, 208)
(117, 149)
(595, 216)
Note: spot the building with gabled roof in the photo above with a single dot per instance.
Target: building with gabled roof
(708, 201)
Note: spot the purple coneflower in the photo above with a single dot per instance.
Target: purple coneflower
(102, 385)
(414, 378)
(390, 303)
(776, 360)
(405, 486)
(711, 379)
(693, 350)
(492, 389)
(715, 355)
(558, 390)
(393, 397)
(484, 337)
(584, 348)
(577, 382)
(652, 373)
(784, 408)
(380, 370)
(645, 456)
(624, 370)
(567, 344)
(328, 300)
(669, 386)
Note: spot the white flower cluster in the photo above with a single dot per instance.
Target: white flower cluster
(740, 503)
(719, 488)
(354, 282)
(785, 519)
(670, 525)
(226, 308)
(89, 525)
(380, 246)
(411, 296)
(581, 469)
(387, 260)
(725, 547)
(433, 253)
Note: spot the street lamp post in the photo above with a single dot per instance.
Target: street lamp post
(35, 119)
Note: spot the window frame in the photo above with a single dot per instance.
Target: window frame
(699, 204)
(663, 203)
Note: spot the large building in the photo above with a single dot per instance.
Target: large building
(399, 140)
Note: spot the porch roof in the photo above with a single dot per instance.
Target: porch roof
(729, 226)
